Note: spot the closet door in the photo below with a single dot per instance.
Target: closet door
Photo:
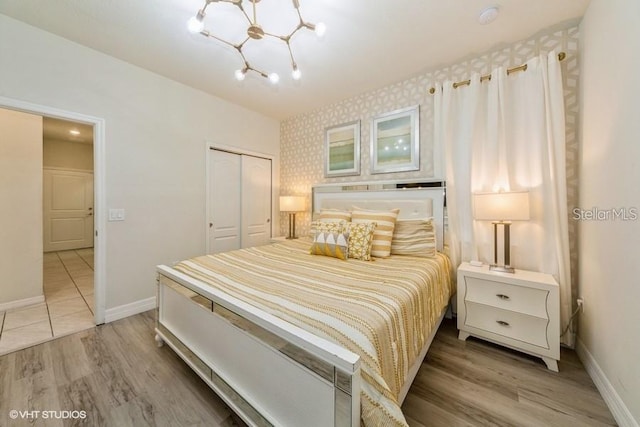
(239, 201)
(256, 201)
(225, 201)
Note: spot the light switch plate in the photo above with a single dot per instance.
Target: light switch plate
(116, 214)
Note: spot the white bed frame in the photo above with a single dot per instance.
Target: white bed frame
(269, 371)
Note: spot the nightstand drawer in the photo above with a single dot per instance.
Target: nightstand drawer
(509, 324)
(524, 300)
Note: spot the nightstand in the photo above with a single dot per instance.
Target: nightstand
(519, 310)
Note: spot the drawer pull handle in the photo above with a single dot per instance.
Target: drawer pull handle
(502, 323)
(503, 296)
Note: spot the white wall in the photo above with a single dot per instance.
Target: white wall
(21, 206)
(155, 146)
(67, 155)
(609, 178)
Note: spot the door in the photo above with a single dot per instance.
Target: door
(256, 201)
(225, 214)
(238, 201)
(68, 210)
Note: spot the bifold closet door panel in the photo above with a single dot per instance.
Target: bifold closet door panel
(225, 201)
(256, 201)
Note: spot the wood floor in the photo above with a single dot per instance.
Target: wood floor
(120, 378)
(475, 383)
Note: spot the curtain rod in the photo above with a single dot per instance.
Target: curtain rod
(523, 67)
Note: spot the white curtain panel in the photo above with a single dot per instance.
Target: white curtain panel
(509, 134)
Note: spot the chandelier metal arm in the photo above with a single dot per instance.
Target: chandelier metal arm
(302, 23)
(286, 40)
(213, 36)
(255, 17)
(244, 12)
(262, 73)
(247, 67)
(241, 45)
(294, 65)
(275, 36)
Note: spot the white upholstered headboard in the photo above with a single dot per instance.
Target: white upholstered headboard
(415, 200)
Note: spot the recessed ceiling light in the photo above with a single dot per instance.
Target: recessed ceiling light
(74, 132)
(488, 15)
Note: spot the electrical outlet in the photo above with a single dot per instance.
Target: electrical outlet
(580, 302)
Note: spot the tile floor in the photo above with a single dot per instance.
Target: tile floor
(68, 306)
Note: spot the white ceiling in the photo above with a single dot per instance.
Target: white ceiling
(368, 44)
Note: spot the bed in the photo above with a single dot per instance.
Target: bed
(287, 338)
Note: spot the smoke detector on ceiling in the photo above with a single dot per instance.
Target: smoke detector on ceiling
(488, 15)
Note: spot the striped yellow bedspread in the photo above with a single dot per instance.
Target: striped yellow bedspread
(382, 310)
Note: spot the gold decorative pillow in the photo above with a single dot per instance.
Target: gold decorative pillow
(334, 215)
(334, 245)
(414, 237)
(385, 220)
(360, 240)
(327, 227)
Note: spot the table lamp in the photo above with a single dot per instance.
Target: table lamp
(501, 209)
(292, 204)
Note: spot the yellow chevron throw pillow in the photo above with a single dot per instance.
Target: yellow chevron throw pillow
(334, 245)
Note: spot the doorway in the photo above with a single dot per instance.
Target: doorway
(61, 296)
(68, 225)
(97, 262)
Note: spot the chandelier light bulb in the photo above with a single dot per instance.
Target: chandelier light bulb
(321, 28)
(274, 78)
(195, 25)
(240, 75)
(296, 74)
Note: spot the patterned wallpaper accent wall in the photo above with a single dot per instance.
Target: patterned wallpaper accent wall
(302, 137)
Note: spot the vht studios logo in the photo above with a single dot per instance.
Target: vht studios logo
(60, 415)
(597, 214)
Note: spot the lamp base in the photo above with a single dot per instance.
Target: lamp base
(292, 226)
(507, 256)
(502, 268)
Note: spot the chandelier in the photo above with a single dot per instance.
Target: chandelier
(255, 32)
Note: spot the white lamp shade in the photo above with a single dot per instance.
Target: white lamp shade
(292, 203)
(513, 206)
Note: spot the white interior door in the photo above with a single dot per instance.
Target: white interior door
(224, 202)
(256, 201)
(68, 210)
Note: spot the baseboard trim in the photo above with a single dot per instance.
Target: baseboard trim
(126, 310)
(21, 303)
(618, 409)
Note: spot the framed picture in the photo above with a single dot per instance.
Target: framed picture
(342, 150)
(395, 141)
